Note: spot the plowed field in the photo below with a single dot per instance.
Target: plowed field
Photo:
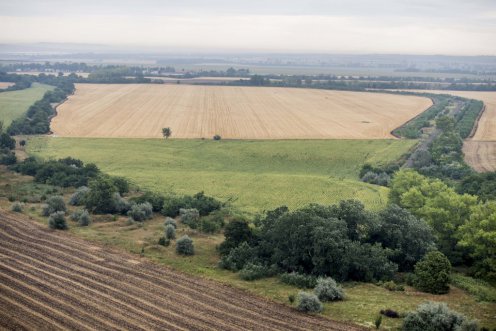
(51, 280)
(141, 111)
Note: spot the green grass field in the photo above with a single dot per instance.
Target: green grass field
(14, 104)
(254, 175)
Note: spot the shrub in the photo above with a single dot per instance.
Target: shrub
(170, 232)
(432, 273)
(235, 233)
(291, 298)
(436, 316)
(238, 257)
(121, 205)
(252, 271)
(77, 198)
(54, 204)
(390, 313)
(163, 241)
(155, 199)
(328, 290)
(212, 223)
(76, 214)
(170, 221)
(140, 212)
(121, 184)
(84, 218)
(17, 207)
(57, 221)
(190, 217)
(217, 137)
(299, 280)
(184, 246)
(100, 198)
(392, 286)
(309, 303)
(378, 322)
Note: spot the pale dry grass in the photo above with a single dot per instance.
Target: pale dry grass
(5, 85)
(135, 110)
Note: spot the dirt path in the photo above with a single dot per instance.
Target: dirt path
(52, 280)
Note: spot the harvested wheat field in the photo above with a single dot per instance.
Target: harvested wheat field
(141, 111)
(51, 280)
(4, 85)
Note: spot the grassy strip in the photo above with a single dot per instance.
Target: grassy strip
(479, 288)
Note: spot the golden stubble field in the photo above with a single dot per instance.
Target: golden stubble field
(141, 111)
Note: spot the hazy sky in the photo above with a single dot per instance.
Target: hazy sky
(459, 27)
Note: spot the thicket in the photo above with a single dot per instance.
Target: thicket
(342, 241)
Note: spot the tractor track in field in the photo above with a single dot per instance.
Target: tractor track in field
(53, 280)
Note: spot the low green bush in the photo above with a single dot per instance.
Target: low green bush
(437, 317)
(298, 280)
(309, 303)
(253, 271)
(57, 221)
(432, 273)
(185, 246)
(17, 207)
(328, 290)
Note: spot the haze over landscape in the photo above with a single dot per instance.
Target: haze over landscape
(248, 165)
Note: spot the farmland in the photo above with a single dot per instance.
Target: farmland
(14, 104)
(141, 111)
(55, 281)
(255, 175)
(4, 85)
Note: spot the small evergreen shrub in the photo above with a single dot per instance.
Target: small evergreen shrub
(190, 217)
(84, 219)
(170, 232)
(54, 204)
(328, 290)
(392, 286)
(217, 137)
(17, 207)
(184, 246)
(170, 221)
(252, 271)
(121, 205)
(437, 316)
(432, 273)
(309, 303)
(77, 198)
(299, 280)
(291, 298)
(76, 214)
(57, 221)
(163, 241)
(140, 212)
(378, 321)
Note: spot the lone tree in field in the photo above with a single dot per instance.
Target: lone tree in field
(166, 132)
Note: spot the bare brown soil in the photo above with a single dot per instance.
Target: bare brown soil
(193, 111)
(52, 280)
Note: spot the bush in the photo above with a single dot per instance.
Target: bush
(100, 198)
(432, 273)
(235, 233)
(212, 223)
(291, 298)
(163, 241)
(8, 158)
(252, 271)
(328, 290)
(436, 317)
(122, 185)
(57, 221)
(141, 212)
(121, 205)
(309, 303)
(190, 217)
(392, 286)
(299, 280)
(217, 137)
(76, 214)
(77, 198)
(184, 246)
(170, 221)
(238, 257)
(17, 207)
(84, 218)
(170, 232)
(390, 313)
(378, 322)
(155, 199)
(54, 204)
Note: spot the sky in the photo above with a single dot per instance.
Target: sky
(450, 27)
